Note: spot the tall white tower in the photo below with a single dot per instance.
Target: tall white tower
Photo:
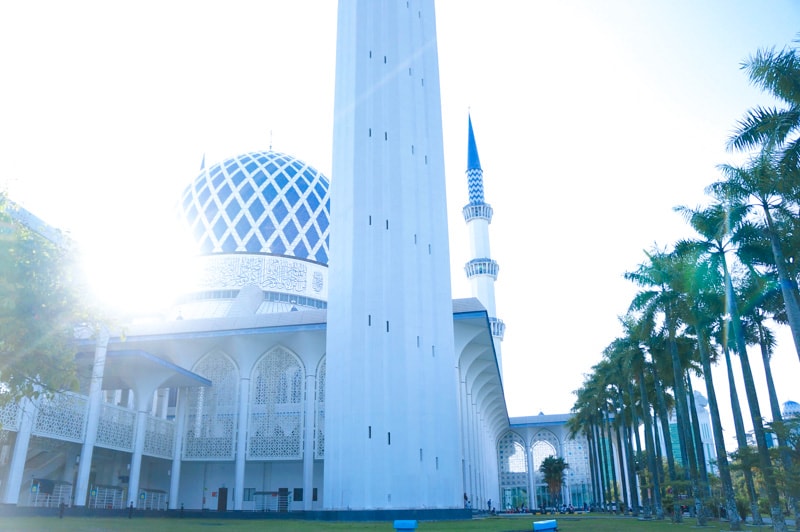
(481, 269)
(391, 404)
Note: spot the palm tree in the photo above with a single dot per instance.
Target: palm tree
(552, 469)
(760, 184)
(715, 224)
(778, 73)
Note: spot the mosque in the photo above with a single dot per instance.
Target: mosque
(321, 364)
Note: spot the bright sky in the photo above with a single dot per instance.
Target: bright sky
(593, 120)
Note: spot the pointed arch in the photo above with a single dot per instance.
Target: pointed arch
(277, 386)
(512, 461)
(211, 414)
(544, 444)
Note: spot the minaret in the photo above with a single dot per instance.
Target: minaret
(481, 269)
(391, 399)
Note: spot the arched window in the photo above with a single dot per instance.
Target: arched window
(544, 444)
(513, 466)
(210, 431)
(276, 407)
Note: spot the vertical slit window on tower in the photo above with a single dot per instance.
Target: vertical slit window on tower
(387, 224)
(384, 59)
(426, 159)
(370, 219)
(385, 135)
(422, 81)
(409, 71)
(417, 340)
(437, 463)
(369, 432)
(370, 132)
(369, 319)
(429, 249)
(370, 53)
(420, 454)
(387, 326)
(412, 149)
(433, 350)
(415, 239)
(389, 438)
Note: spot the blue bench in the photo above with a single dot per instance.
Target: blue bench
(405, 524)
(550, 524)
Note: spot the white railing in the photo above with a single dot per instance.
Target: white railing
(159, 437)
(116, 428)
(62, 416)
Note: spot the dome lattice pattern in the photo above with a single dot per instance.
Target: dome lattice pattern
(260, 202)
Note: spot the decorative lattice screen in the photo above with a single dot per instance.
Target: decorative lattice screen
(210, 431)
(513, 461)
(159, 437)
(62, 417)
(276, 407)
(116, 428)
(10, 415)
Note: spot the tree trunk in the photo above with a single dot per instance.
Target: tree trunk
(765, 462)
(700, 458)
(732, 513)
(634, 476)
(786, 457)
(651, 455)
(788, 287)
(621, 461)
(663, 417)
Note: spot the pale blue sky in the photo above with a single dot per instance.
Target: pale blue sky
(593, 119)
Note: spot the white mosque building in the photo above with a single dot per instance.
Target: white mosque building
(321, 364)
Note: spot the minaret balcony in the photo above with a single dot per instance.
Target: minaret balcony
(478, 210)
(498, 328)
(482, 267)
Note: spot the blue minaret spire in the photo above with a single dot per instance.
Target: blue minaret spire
(474, 170)
(481, 269)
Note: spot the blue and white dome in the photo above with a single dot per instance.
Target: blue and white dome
(261, 202)
(791, 408)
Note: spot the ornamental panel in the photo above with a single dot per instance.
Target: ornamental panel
(211, 417)
(319, 444)
(276, 408)
(512, 461)
(576, 454)
(159, 437)
(116, 428)
(10, 416)
(62, 416)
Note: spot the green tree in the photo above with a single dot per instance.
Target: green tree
(39, 307)
(552, 469)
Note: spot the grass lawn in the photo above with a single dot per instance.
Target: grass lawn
(492, 524)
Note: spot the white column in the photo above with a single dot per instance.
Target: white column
(175, 473)
(531, 476)
(92, 417)
(17, 465)
(136, 457)
(308, 443)
(241, 442)
(468, 487)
